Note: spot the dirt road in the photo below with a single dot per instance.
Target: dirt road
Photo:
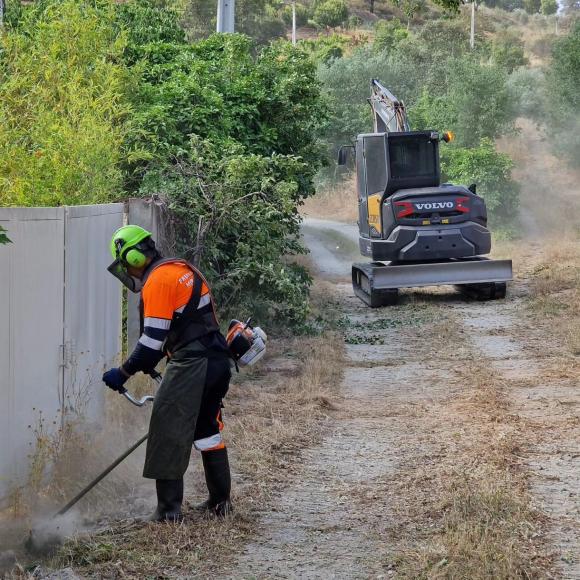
(414, 420)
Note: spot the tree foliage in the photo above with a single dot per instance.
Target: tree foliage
(330, 12)
(549, 7)
(100, 100)
(563, 93)
(388, 35)
(507, 50)
(475, 104)
(62, 107)
(490, 170)
(230, 142)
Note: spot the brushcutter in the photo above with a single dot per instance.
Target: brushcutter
(39, 542)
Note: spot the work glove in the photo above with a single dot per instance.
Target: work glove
(115, 379)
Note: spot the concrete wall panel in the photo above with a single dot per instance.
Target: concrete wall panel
(92, 330)
(31, 321)
(60, 319)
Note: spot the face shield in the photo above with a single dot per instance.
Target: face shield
(119, 270)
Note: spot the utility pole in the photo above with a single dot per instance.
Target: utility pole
(293, 22)
(472, 35)
(226, 11)
(2, 10)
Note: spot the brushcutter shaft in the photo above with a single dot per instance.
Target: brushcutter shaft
(157, 378)
(104, 474)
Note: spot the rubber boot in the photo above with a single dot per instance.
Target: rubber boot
(169, 500)
(219, 483)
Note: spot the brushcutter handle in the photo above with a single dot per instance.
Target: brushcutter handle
(138, 402)
(157, 377)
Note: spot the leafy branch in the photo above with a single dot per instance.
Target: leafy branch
(4, 239)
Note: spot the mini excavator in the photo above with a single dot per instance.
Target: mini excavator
(416, 230)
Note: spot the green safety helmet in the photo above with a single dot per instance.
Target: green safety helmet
(130, 246)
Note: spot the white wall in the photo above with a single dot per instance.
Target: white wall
(60, 314)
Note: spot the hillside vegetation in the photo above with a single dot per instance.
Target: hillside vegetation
(102, 100)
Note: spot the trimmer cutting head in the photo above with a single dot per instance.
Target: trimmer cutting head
(45, 538)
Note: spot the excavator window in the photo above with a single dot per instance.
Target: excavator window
(360, 172)
(376, 163)
(412, 157)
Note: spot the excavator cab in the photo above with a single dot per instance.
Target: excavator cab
(417, 231)
(388, 162)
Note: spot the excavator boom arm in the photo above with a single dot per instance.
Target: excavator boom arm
(389, 114)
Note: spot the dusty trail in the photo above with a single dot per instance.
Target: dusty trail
(547, 399)
(338, 516)
(331, 520)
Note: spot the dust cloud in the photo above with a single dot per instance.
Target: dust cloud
(549, 198)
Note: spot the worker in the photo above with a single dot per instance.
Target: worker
(178, 320)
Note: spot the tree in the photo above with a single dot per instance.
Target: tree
(563, 81)
(532, 6)
(475, 104)
(231, 140)
(565, 70)
(490, 170)
(331, 13)
(549, 7)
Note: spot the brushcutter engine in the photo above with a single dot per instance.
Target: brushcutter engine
(247, 344)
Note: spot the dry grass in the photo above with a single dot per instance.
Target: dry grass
(555, 291)
(64, 449)
(470, 514)
(338, 203)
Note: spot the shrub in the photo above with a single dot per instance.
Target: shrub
(354, 22)
(63, 106)
(331, 13)
(507, 50)
(389, 34)
(236, 215)
(302, 14)
(325, 49)
(490, 170)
